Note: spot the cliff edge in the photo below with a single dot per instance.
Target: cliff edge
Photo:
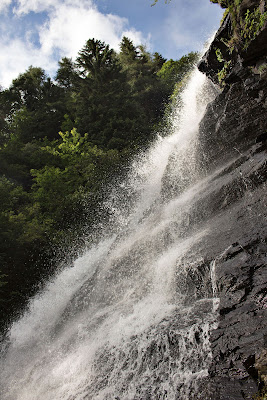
(233, 132)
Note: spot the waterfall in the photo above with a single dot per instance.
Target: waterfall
(131, 318)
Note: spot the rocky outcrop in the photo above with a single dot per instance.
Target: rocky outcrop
(235, 127)
(240, 45)
(237, 118)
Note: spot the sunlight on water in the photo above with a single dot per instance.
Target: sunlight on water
(118, 325)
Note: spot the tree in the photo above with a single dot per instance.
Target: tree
(34, 106)
(29, 87)
(66, 75)
(104, 108)
(129, 57)
(80, 172)
(158, 61)
(141, 67)
(128, 52)
(173, 71)
(96, 61)
(67, 78)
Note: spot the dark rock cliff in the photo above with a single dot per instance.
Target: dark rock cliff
(237, 118)
(233, 131)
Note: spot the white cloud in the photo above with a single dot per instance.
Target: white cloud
(37, 6)
(4, 5)
(68, 25)
(16, 56)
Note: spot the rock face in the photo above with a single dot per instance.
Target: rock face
(237, 118)
(240, 338)
(234, 128)
(240, 44)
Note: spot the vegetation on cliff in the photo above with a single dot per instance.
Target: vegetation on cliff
(244, 21)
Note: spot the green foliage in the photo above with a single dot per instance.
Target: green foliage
(128, 52)
(105, 107)
(175, 100)
(11, 196)
(97, 61)
(18, 158)
(158, 61)
(252, 25)
(66, 76)
(32, 106)
(219, 55)
(174, 71)
(72, 143)
(82, 166)
(223, 72)
(244, 28)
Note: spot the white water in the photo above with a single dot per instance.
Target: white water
(120, 323)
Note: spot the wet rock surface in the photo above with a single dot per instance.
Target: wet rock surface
(235, 124)
(240, 336)
(241, 282)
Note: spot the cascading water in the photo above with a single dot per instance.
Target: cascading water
(131, 318)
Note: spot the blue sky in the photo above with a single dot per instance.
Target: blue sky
(40, 32)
